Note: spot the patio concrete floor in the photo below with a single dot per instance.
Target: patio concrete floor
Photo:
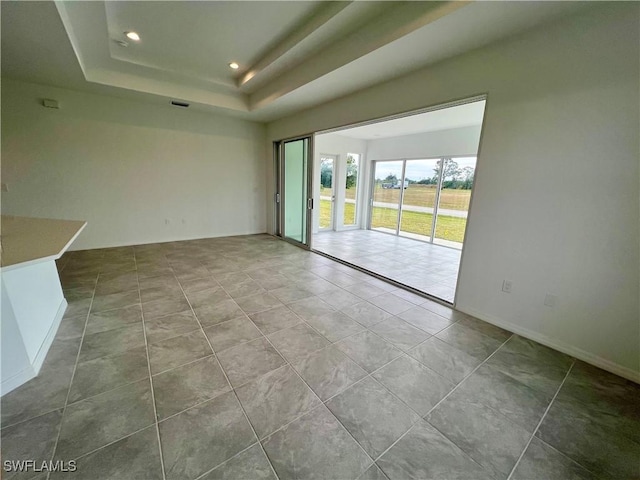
(432, 269)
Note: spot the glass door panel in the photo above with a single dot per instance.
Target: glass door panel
(351, 189)
(419, 199)
(385, 205)
(295, 180)
(327, 191)
(453, 206)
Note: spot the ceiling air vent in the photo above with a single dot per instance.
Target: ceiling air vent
(179, 104)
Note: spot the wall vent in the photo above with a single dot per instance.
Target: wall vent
(179, 104)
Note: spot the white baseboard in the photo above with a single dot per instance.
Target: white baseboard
(48, 340)
(20, 378)
(575, 352)
(166, 240)
(30, 372)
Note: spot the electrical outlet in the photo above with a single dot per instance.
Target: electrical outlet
(550, 300)
(166, 221)
(506, 286)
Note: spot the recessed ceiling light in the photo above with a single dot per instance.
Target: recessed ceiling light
(234, 65)
(132, 36)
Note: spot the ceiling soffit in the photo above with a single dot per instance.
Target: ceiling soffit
(186, 46)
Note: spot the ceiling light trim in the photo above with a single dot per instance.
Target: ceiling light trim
(390, 25)
(319, 18)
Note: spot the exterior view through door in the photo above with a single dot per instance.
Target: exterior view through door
(394, 195)
(327, 196)
(433, 203)
(336, 192)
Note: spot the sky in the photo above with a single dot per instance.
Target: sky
(417, 169)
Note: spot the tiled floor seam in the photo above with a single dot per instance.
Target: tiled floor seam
(106, 391)
(4, 427)
(460, 448)
(111, 443)
(153, 395)
(422, 418)
(255, 434)
(75, 366)
(322, 404)
(191, 407)
(341, 286)
(465, 378)
(535, 430)
(343, 390)
(331, 344)
(183, 364)
(457, 322)
(403, 354)
(171, 338)
(96, 312)
(228, 460)
(595, 476)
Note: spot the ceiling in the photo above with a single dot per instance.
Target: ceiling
(467, 115)
(292, 54)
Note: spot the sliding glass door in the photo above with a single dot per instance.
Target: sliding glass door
(425, 199)
(419, 199)
(385, 201)
(454, 197)
(294, 204)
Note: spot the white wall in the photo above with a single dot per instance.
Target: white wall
(556, 198)
(340, 145)
(455, 142)
(126, 167)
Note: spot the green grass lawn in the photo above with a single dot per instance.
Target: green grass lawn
(349, 192)
(425, 196)
(447, 228)
(325, 213)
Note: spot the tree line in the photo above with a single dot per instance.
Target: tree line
(326, 172)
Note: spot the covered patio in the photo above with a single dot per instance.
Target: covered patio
(430, 268)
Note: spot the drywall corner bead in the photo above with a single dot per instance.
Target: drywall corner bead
(49, 103)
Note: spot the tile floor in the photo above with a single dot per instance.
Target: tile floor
(248, 358)
(432, 269)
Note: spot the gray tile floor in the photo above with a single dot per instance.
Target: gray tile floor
(248, 358)
(430, 268)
